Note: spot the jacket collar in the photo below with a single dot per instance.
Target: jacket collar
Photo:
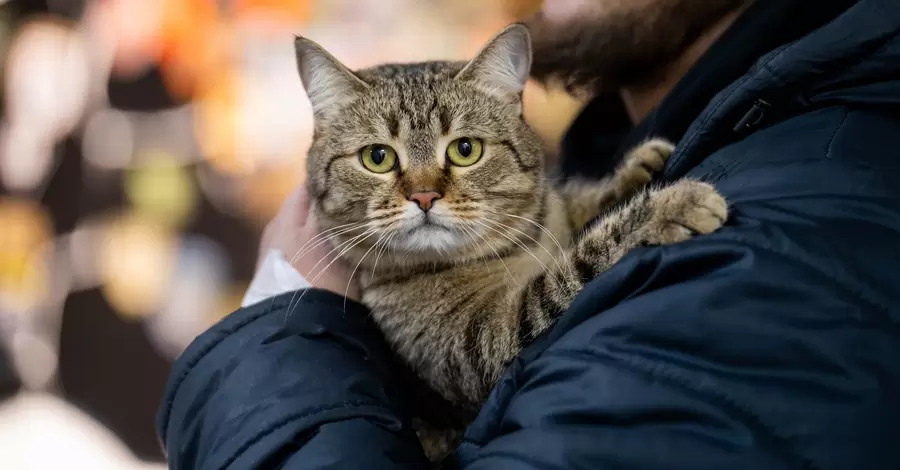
(774, 49)
(852, 58)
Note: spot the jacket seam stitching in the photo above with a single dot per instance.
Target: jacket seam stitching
(293, 417)
(834, 281)
(201, 354)
(754, 423)
(837, 130)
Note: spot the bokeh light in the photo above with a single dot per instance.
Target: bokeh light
(26, 157)
(84, 247)
(35, 359)
(192, 298)
(262, 193)
(216, 125)
(161, 189)
(108, 140)
(47, 77)
(194, 44)
(137, 260)
(41, 432)
(24, 247)
(131, 28)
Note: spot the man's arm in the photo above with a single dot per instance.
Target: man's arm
(723, 352)
(288, 384)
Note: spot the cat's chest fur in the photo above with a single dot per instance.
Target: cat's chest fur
(428, 313)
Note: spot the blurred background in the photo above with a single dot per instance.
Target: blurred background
(143, 145)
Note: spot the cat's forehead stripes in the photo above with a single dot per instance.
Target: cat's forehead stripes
(410, 94)
(409, 103)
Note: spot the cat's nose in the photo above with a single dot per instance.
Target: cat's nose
(425, 199)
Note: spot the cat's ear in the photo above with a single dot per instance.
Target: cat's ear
(328, 83)
(502, 66)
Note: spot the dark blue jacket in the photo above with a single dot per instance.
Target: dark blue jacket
(772, 344)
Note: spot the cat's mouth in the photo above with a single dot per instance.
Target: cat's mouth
(429, 232)
(431, 223)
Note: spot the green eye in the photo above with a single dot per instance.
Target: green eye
(465, 151)
(378, 158)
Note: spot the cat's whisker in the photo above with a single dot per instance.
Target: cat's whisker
(302, 251)
(349, 243)
(313, 244)
(469, 234)
(499, 258)
(507, 227)
(384, 247)
(284, 228)
(516, 242)
(356, 243)
(384, 234)
(324, 269)
(540, 226)
(321, 238)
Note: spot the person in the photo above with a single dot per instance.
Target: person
(771, 344)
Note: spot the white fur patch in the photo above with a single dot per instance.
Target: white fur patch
(432, 233)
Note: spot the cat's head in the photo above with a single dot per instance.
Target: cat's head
(431, 159)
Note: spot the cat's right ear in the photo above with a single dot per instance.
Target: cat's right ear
(502, 66)
(328, 83)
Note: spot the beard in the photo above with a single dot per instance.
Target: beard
(605, 45)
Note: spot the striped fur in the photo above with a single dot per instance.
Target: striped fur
(505, 253)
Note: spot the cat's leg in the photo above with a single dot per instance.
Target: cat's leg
(657, 217)
(493, 329)
(501, 323)
(586, 199)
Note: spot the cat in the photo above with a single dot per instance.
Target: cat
(428, 180)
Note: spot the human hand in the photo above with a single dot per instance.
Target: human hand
(294, 256)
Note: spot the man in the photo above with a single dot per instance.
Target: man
(773, 343)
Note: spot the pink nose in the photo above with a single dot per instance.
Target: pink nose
(425, 200)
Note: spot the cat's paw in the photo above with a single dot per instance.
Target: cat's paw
(685, 209)
(641, 164)
(437, 443)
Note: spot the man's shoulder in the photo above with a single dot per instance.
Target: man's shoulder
(819, 191)
(784, 320)
(842, 135)
(755, 325)
(814, 219)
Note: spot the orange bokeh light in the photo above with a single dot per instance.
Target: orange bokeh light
(24, 242)
(262, 193)
(194, 43)
(217, 124)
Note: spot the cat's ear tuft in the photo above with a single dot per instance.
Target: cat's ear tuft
(502, 66)
(328, 83)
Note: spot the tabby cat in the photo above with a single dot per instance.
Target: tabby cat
(428, 180)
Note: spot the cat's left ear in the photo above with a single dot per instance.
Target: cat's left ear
(502, 66)
(328, 83)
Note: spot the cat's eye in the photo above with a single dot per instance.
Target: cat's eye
(378, 158)
(465, 151)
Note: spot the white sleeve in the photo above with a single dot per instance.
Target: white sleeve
(275, 276)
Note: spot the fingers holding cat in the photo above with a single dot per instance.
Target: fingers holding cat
(295, 233)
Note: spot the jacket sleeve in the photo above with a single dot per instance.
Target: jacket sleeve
(725, 352)
(288, 384)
